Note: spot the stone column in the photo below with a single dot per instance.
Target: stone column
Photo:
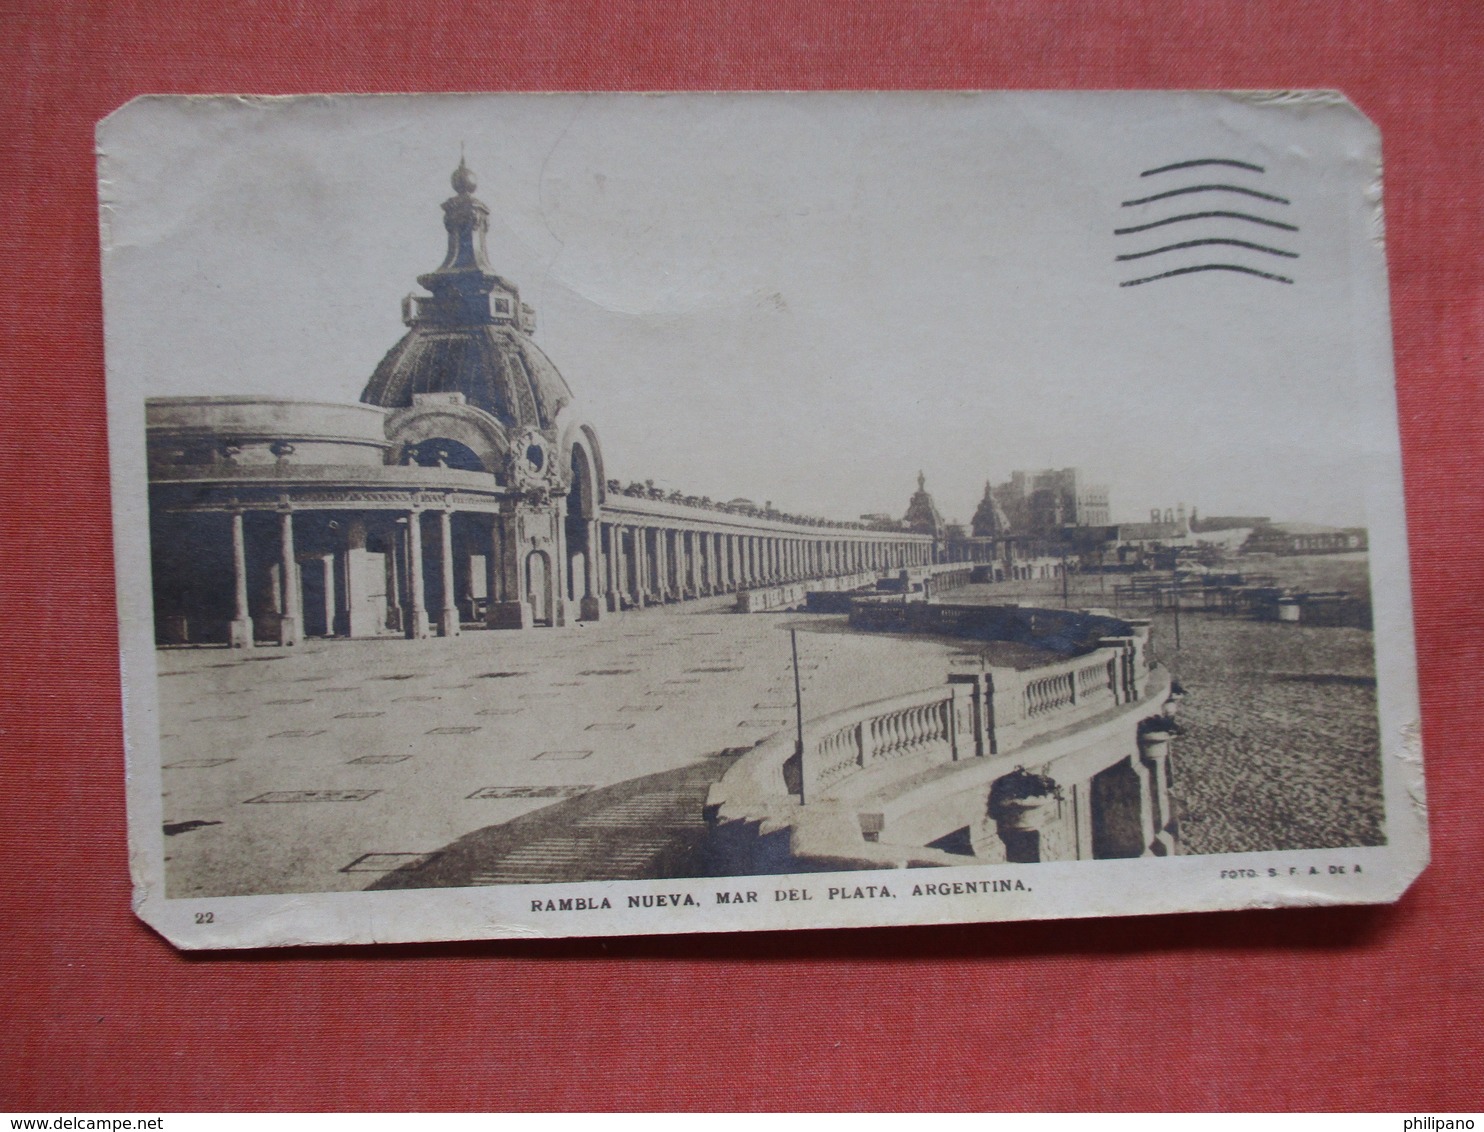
(634, 560)
(666, 557)
(590, 608)
(612, 562)
(1154, 749)
(662, 562)
(560, 568)
(394, 580)
(642, 595)
(493, 575)
(326, 565)
(417, 613)
(240, 635)
(649, 579)
(448, 616)
(290, 631)
(675, 552)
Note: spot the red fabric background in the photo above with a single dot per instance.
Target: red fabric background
(1342, 1008)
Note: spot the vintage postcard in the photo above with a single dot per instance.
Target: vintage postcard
(547, 515)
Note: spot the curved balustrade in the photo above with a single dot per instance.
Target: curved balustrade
(919, 766)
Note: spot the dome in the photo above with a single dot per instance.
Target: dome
(472, 335)
(922, 515)
(496, 368)
(989, 519)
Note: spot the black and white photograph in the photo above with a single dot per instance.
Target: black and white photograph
(544, 515)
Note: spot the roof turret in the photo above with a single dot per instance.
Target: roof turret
(472, 335)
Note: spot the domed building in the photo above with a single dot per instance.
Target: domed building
(923, 516)
(468, 388)
(990, 520)
(464, 490)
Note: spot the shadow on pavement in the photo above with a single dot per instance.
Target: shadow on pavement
(647, 828)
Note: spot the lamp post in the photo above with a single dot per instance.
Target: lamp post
(793, 635)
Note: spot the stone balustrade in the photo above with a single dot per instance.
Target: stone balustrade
(907, 780)
(766, 598)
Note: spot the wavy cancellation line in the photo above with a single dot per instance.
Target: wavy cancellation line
(1199, 161)
(1215, 214)
(1183, 244)
(1207, 189)
(1208, 267)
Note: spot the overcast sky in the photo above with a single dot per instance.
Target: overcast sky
(802, 299)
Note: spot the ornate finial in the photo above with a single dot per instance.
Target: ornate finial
(463, 177)
(921, 481)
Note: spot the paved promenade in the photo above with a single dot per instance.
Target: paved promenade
(505, 757)
(494, 757)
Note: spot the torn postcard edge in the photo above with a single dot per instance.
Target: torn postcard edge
(548, 515)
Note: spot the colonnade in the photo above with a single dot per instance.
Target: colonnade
(648, 562)
(391, 595)
(426, 570)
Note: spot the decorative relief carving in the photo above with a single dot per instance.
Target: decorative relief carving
(531, 468)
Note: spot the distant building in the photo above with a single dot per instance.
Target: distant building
(1305, 538)
(922, 515)
(1043, 502)
(990, 520)
(1199, 525)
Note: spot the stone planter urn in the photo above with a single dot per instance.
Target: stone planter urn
(1154, 745)
(1024, 815)
(1020, 805)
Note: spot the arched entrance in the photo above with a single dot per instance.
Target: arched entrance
(538, 586)
(583, 552)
